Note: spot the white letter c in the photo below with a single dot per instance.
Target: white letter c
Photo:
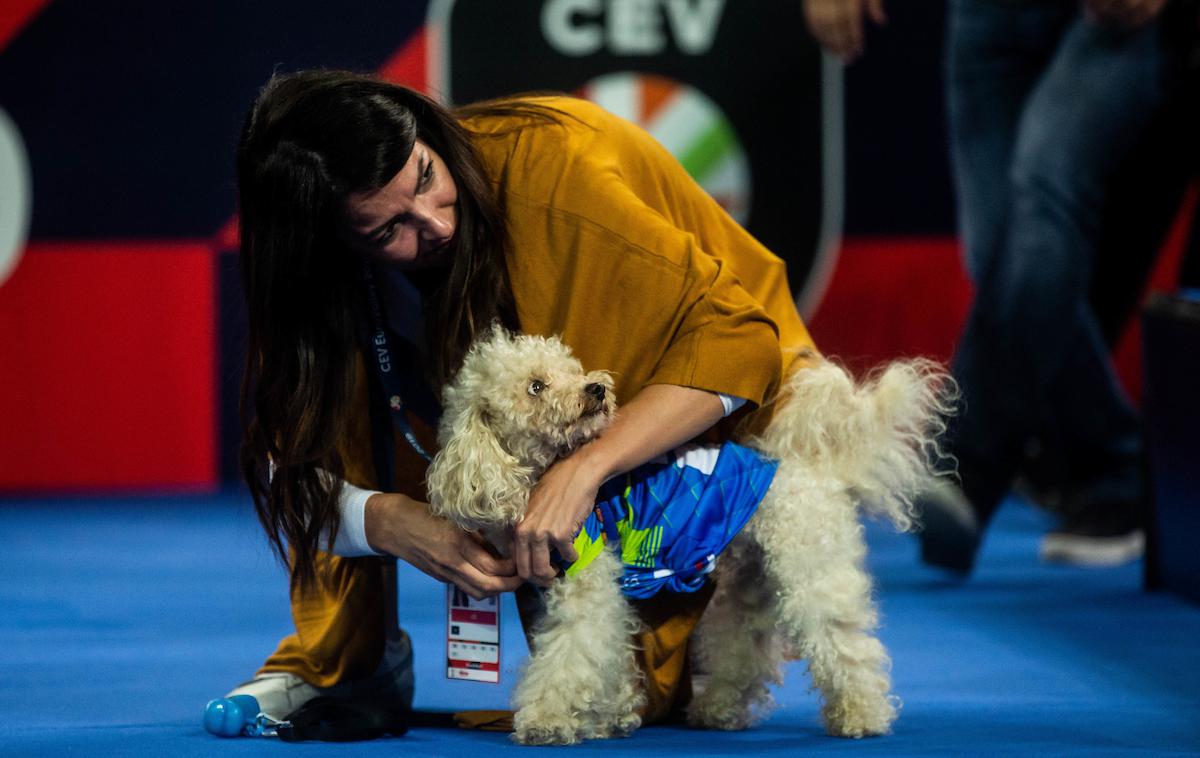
(572, 39)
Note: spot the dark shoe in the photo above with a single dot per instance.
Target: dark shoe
(1042, 475)
(950, 530)
(1102, 535)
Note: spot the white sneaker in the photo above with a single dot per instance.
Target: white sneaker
(1102, 534)
(280, 694)
(1093, 550)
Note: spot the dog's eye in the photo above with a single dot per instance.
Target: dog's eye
(536, 387)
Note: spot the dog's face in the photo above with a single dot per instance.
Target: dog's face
(517, 404)
(533, 395)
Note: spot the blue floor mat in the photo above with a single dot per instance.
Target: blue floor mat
(120, 618)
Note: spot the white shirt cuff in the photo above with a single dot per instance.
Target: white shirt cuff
(731, 402)
(351, 539)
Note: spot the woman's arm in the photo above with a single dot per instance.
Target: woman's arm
(620, 234)
(400, 526)
(657, 419)
(377, 523)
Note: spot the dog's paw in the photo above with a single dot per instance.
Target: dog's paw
(727, 722)
(865, 717)
(622, 727)
(728, 714)
(546, 735)
(543, 729)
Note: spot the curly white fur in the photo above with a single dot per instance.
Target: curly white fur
(792, 580)
(498, 435)
(876, 437)
(581, 681)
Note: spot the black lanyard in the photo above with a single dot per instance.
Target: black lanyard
(386, 362)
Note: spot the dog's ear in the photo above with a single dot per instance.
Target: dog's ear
(472, 480)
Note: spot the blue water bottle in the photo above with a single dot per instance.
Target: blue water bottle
(232, 716)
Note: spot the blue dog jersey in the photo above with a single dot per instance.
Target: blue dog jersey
(673, 516)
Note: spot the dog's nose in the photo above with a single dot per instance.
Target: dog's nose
(595, 390)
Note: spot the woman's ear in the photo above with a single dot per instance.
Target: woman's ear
(472, 480)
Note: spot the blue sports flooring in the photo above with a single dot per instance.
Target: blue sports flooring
(120, 618)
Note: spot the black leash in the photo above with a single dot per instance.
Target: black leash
(332, 719)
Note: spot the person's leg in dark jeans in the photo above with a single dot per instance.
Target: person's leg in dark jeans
(1031, 324)
(995, 54)
(1142, 202)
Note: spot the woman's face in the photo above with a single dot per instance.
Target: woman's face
(409, 222)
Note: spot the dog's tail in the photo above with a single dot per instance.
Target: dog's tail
(879, 437)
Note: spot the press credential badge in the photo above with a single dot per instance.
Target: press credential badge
(472, 637)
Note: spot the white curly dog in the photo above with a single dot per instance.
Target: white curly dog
(792, 583)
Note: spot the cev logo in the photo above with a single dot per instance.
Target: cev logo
(688, 124)
(15, 196)
(630, 27)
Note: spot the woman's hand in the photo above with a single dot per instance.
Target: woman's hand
(403, 527)
(558, 506)
(838, 24)
(1129, 14)
(659, 418)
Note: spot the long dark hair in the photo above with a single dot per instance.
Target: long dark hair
(309, 140)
